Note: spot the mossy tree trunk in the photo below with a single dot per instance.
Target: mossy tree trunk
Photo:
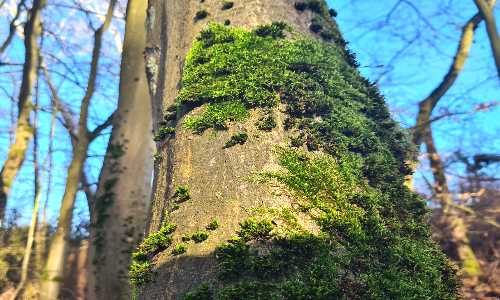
(280, 174)
(123, 193)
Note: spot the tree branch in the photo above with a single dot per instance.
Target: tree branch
(427, 105)
(489, 18)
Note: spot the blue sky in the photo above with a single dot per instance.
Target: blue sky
(407, 54)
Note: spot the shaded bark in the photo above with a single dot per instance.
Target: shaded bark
(123, 192)
(54, 266)
(24, 130)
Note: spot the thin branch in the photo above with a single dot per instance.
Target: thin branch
(427, 105)
(12, 27)
(97, 131)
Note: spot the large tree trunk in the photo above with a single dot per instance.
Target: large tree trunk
(295, 238)
(24, 131)
(124, 187)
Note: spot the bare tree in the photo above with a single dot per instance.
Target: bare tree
(24, 130)
(54, 266)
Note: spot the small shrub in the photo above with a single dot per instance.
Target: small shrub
(200, 15)
(212, 225)
(238, 138)
(199, 236)
(227, 5)
(179, 249)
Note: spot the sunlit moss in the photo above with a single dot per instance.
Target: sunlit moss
(346, 173)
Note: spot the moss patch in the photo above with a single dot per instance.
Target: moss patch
(237, 138)
(140, 269)
(199, 236)
(347, 177)
(181, 194)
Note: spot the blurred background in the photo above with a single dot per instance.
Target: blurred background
(433, 61)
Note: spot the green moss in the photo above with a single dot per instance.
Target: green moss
(227, 5)
(216, 116)
(255, 229)
(163, 133)
(266, 122)
(181, 193)
(213, 225)
(140, 269)
(369, 240)
(140, 272)
(186, 238)
(237, 138)
(204, 292)
(274, 30)
(316, 6)
(200, 15)
(199, 236)
(179, 249)
(332, 12)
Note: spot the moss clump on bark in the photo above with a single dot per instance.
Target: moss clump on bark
(181, 194)
(345, 171)
(199, 236)
(140, 269)
(237, 138)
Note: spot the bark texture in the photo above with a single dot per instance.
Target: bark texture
(206, 190)
(123, 194)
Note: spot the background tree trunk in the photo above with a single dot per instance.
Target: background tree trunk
(24, 131)
(54, 267)
(124, 187)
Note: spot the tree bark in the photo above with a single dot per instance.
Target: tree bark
(124, 187)
(54, 267)
(24, 130)
(200, 178)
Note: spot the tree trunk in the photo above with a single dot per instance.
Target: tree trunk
(54, 266)
(280, 173)
(452, 218)
(24, 131)
(124, 187)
